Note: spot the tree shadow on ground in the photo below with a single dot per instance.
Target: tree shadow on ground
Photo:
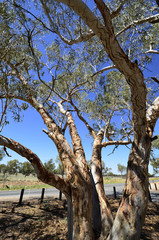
(48, 220)
(33, 220)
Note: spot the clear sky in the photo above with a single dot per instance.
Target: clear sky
(29, 133)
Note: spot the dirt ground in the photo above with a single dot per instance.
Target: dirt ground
(48, 220)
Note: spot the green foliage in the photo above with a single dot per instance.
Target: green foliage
(2, 154)
(13, 166)
(110, 174)
(105, 170)
(155, 144)
(121, 169)
(154, 160)
(26, 169)
(60, 168)
(50, 166)
(33, 47)
(155, 164)
(3, 169)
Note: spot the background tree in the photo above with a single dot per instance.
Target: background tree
(105, 170)
(154, 160)
(2, 154)
(13, 167)
(3, 170)
(155, 165)
(60, 169)
(26, 169)
(50, 165)
(110, 174)
(63, 77)
(121, 168)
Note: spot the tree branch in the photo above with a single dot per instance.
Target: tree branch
(96, 169)
(76, 141)
(42, 173)
(138, 22)
(120, 142)
(155, 79)
(82, 37)
(108, 123)
(104, 69)
(4, 112)
(152, 51)
(152, 116)
(67, 157)
(117, 11)
(90, 129)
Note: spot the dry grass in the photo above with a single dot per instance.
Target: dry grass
(48, 220)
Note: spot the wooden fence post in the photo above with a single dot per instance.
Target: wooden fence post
(149, 196)
(21, 196)
(155, 186)
(114, 189)
(42, 195)
(60, 195)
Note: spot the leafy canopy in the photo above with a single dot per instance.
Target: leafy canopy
(48, 46)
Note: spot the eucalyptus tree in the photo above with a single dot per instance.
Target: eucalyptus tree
(87, 58)
(121, 168)
(3, 170)
(2, 154)
(26, 169)
(50, 165)
(13, 167)
(154, 159)
(155, 165)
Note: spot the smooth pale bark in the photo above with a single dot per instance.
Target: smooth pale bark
(130, 217)
(67, 157)
(96, 168)
(82, 193)
(152, 116)
(78, 148)
(131, 213)
(80, 189)
(78, 177)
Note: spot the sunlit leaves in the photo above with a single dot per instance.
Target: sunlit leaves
(33, 45)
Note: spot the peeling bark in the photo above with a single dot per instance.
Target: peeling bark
(131, 213)
(77, 174)
(152, 116)
(82, 212)
(80, 192)
(106, 217)
(65, 152)
(77, 147)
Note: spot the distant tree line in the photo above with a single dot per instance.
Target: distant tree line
(13, 167)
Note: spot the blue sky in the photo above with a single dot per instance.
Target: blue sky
(29, 133)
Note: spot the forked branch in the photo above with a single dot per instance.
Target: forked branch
(76, 141)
